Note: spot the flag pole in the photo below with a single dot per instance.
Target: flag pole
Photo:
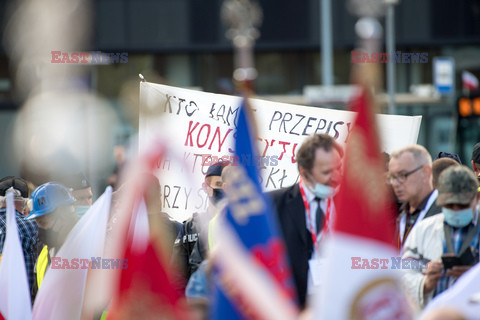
(369, 32)
(256, 290)
(243, 17)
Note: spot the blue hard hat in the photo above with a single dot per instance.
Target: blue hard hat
(48, 197)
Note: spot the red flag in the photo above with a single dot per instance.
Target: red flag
(358, 281)
(145, 289)
(363, 199)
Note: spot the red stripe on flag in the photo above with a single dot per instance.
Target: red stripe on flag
(363, 201)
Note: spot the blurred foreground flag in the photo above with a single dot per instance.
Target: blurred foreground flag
(62, 291)
(145, 290)
(252, 278)
(355, 282)
(14, 294)
(469, 81)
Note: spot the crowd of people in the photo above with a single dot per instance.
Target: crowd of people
(434, 212)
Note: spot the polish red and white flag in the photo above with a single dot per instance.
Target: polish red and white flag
(469, 81)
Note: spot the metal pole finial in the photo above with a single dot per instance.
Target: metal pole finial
(243, 18)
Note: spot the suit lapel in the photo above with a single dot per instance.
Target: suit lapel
(296, 211)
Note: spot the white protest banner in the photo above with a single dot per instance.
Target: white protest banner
(200, 127)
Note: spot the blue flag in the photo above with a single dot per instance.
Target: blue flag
(250, 248)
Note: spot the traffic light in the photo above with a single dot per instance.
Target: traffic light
(468, 106)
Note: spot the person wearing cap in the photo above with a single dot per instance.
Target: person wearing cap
(54, 213)
(410, 175)
(453, 234)
(448, 155)
(81, 191)
(198, 291)
(190, 247)
(27, 230)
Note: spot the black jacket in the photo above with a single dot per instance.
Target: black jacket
(188, 251)
(298, 241)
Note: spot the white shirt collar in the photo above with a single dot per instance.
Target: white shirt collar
(308, 193)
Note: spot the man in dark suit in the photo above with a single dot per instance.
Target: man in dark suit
(304, 207)
(410, 174)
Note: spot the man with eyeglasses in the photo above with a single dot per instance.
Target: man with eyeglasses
(28, 230)
(410, 174)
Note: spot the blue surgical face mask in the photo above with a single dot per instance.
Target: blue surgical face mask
(322, 191)
(81, 210)
(458, 219)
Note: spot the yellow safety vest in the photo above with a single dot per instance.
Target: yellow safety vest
(41, 266)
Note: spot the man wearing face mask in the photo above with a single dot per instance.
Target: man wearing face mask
(190, 247)
(54, 213)
(446, 243)
(306, 208)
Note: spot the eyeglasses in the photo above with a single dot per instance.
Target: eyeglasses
(402, 177)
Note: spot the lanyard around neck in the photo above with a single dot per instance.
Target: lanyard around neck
(315, 236)
(421, 215)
